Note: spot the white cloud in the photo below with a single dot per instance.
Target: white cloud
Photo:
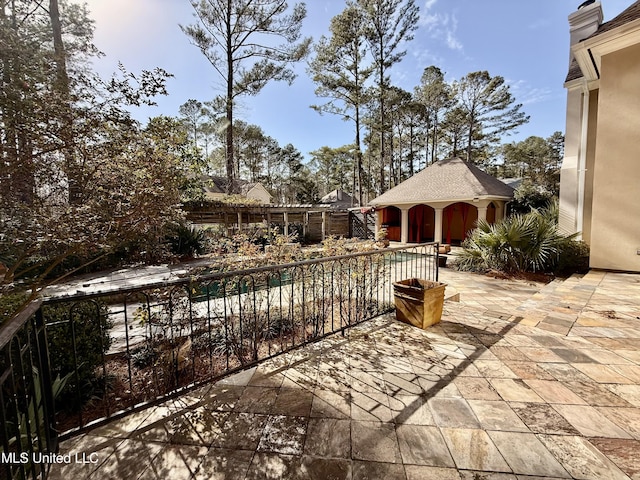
(426, 18)
(424, 56)
(428, 21)
(527, 94)
(441, 26)
(452, 41)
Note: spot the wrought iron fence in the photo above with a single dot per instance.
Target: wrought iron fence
(73, 362)
(27, 412)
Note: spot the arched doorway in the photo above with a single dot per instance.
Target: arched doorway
(421, 222)
(491, 213)
(391, 218)
(457, 220)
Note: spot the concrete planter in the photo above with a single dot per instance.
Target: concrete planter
(419, 302)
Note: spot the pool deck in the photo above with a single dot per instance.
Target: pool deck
(519, 381)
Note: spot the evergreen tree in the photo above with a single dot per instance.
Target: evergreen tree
(78, 176)
(236, 37)
(490, 110)
(435, 94)
(390, 23)
(536, 160)
(333, 167)
(340, 70)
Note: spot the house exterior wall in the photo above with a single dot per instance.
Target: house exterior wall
(615, 232)
(213, 195)
(581, 108)
(258, 192)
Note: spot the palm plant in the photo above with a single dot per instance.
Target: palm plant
(520, 243)
(186, 241)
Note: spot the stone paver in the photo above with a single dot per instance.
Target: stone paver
(423, 445)
(375, 442)
(526, 455)
(472, 449)
(519, 380)
(497, 415)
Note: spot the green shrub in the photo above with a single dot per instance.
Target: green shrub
(186, 241)
(573, 258)
(88, 324)
(144, 356)
(10, 302)
(528, 197)
(520, 243)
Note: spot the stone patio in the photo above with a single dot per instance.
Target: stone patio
(519, 380)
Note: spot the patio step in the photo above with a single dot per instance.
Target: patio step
(557, 306)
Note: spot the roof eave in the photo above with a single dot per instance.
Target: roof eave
(449, 201)
(589, 52)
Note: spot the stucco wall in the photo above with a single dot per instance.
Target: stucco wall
(615, 224)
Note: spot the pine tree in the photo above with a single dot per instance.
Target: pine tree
(390, 23)
(340, 70)
(489, 107)
(232, 36)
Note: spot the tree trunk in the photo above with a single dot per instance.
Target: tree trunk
(229, 106)
(62, 79)
(472, 121)
(435, 138)
(358, 156)
(455, 145)
(411, 150)
(382, 120)
(18, 177)
(72, 170)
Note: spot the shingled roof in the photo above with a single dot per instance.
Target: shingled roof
(574, 71)
(629, 15)
(446, 180)
(218, 184)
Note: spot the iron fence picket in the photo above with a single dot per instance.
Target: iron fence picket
(228, 321)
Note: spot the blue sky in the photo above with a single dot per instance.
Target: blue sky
(526, 42)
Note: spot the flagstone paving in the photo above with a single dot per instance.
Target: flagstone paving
(518, 381)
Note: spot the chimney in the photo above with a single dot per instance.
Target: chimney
(339, 195)
(584, 22)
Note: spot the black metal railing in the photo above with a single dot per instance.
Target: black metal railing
(27, 412)
(80, 360)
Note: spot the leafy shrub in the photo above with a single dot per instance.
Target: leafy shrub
(186, 241)
(573, 258)
(88, 324)
(520, 243)
(144, 356)
(10, 302)
(528, 197)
